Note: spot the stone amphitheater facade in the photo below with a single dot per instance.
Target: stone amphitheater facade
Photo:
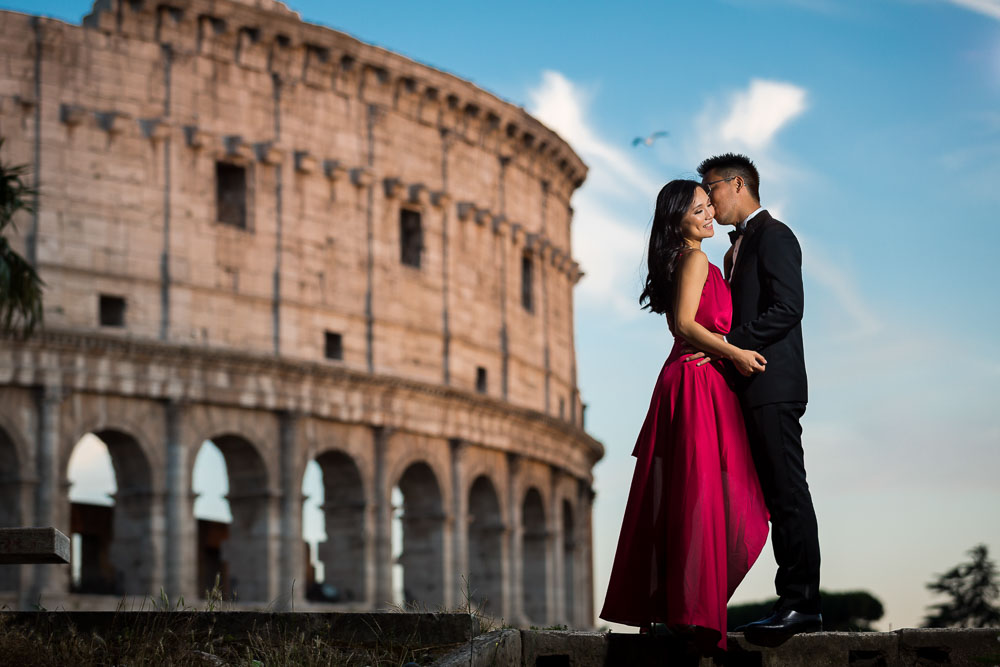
(301, 247)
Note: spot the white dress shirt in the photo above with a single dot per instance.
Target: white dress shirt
(742, 227)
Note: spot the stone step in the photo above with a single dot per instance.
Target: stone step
(33, 545)
(901, 648)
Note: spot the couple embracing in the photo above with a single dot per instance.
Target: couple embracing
(720, 451)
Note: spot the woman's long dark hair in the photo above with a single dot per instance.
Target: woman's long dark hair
(666, 243)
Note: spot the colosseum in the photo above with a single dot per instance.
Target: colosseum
(268, 235)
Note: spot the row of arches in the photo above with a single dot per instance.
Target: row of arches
(116, 550)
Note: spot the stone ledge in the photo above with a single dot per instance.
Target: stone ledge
(343, 56)
(500, 647)
(53, 353)
(33, 545)
(901, 648)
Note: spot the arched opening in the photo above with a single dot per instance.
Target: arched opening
(342, 554)
(229, 472)
(210, 487)
(313, 532)
(422, 553)
(110, 516)
(10, 503)
(485, 545)
(535, 558)
(569, 562)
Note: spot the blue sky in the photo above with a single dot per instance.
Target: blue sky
(876, 126)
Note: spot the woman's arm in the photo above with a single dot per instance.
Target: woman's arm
(692, 273)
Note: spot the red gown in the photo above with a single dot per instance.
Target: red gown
(695, 520)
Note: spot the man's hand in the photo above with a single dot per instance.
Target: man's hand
(696, 355)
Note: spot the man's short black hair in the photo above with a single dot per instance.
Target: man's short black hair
(733, 164)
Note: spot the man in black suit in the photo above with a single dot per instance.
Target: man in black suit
(764, 267)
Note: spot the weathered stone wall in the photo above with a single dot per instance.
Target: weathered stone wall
(129, 117)
(124, 122)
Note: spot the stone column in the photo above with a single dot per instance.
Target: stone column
(461, 586)
(554, 544)
(49, 493)
(346, 554)
(136, 550)
(17, 494)
(156, 544)
(585, 556)
(515, 580)
(180, 557)
(291, 580)
(381, 537)
(251, 550)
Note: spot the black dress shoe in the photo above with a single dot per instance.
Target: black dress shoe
(779, 626)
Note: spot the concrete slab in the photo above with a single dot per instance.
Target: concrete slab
(949, 646)
(558, 648)
(494, 649)
(821, 649)
(33, 545)
(902, 648)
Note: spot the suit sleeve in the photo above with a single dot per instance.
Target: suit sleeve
(779, 266)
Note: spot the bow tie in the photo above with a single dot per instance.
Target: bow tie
(735, 234)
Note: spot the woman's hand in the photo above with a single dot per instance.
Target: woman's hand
(748, 362)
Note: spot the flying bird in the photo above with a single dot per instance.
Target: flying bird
(648, 141)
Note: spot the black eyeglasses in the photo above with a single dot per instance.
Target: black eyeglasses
(708, 186)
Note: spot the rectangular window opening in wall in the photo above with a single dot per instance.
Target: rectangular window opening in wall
(334, 346)
(527, 267)
(231, 194)
(481, 379)
(112, 311)
(411, 237)
(562, 408)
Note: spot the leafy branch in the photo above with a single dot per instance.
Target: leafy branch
(20, 285)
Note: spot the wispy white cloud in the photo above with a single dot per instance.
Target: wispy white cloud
(755, 115)
(750, 120)
(606, 242)
(989, 8)
(563, 106)
(610, 252)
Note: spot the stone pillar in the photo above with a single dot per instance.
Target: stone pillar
(346, 553)
(585, 556)
(515, 579)
(156, 544)
(252, 548)
(46, 579)
(17, 492)
(291, 579)
(180, 547)
(381, 538)
(136, 550)
(554, 545)
(459, 528)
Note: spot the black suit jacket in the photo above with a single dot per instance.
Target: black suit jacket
(767, 311)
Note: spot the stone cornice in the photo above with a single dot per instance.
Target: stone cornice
(276, 38)
(42, 356)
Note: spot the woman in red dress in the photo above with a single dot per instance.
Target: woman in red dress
(695, 520)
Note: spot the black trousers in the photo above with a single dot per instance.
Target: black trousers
(776, 445)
